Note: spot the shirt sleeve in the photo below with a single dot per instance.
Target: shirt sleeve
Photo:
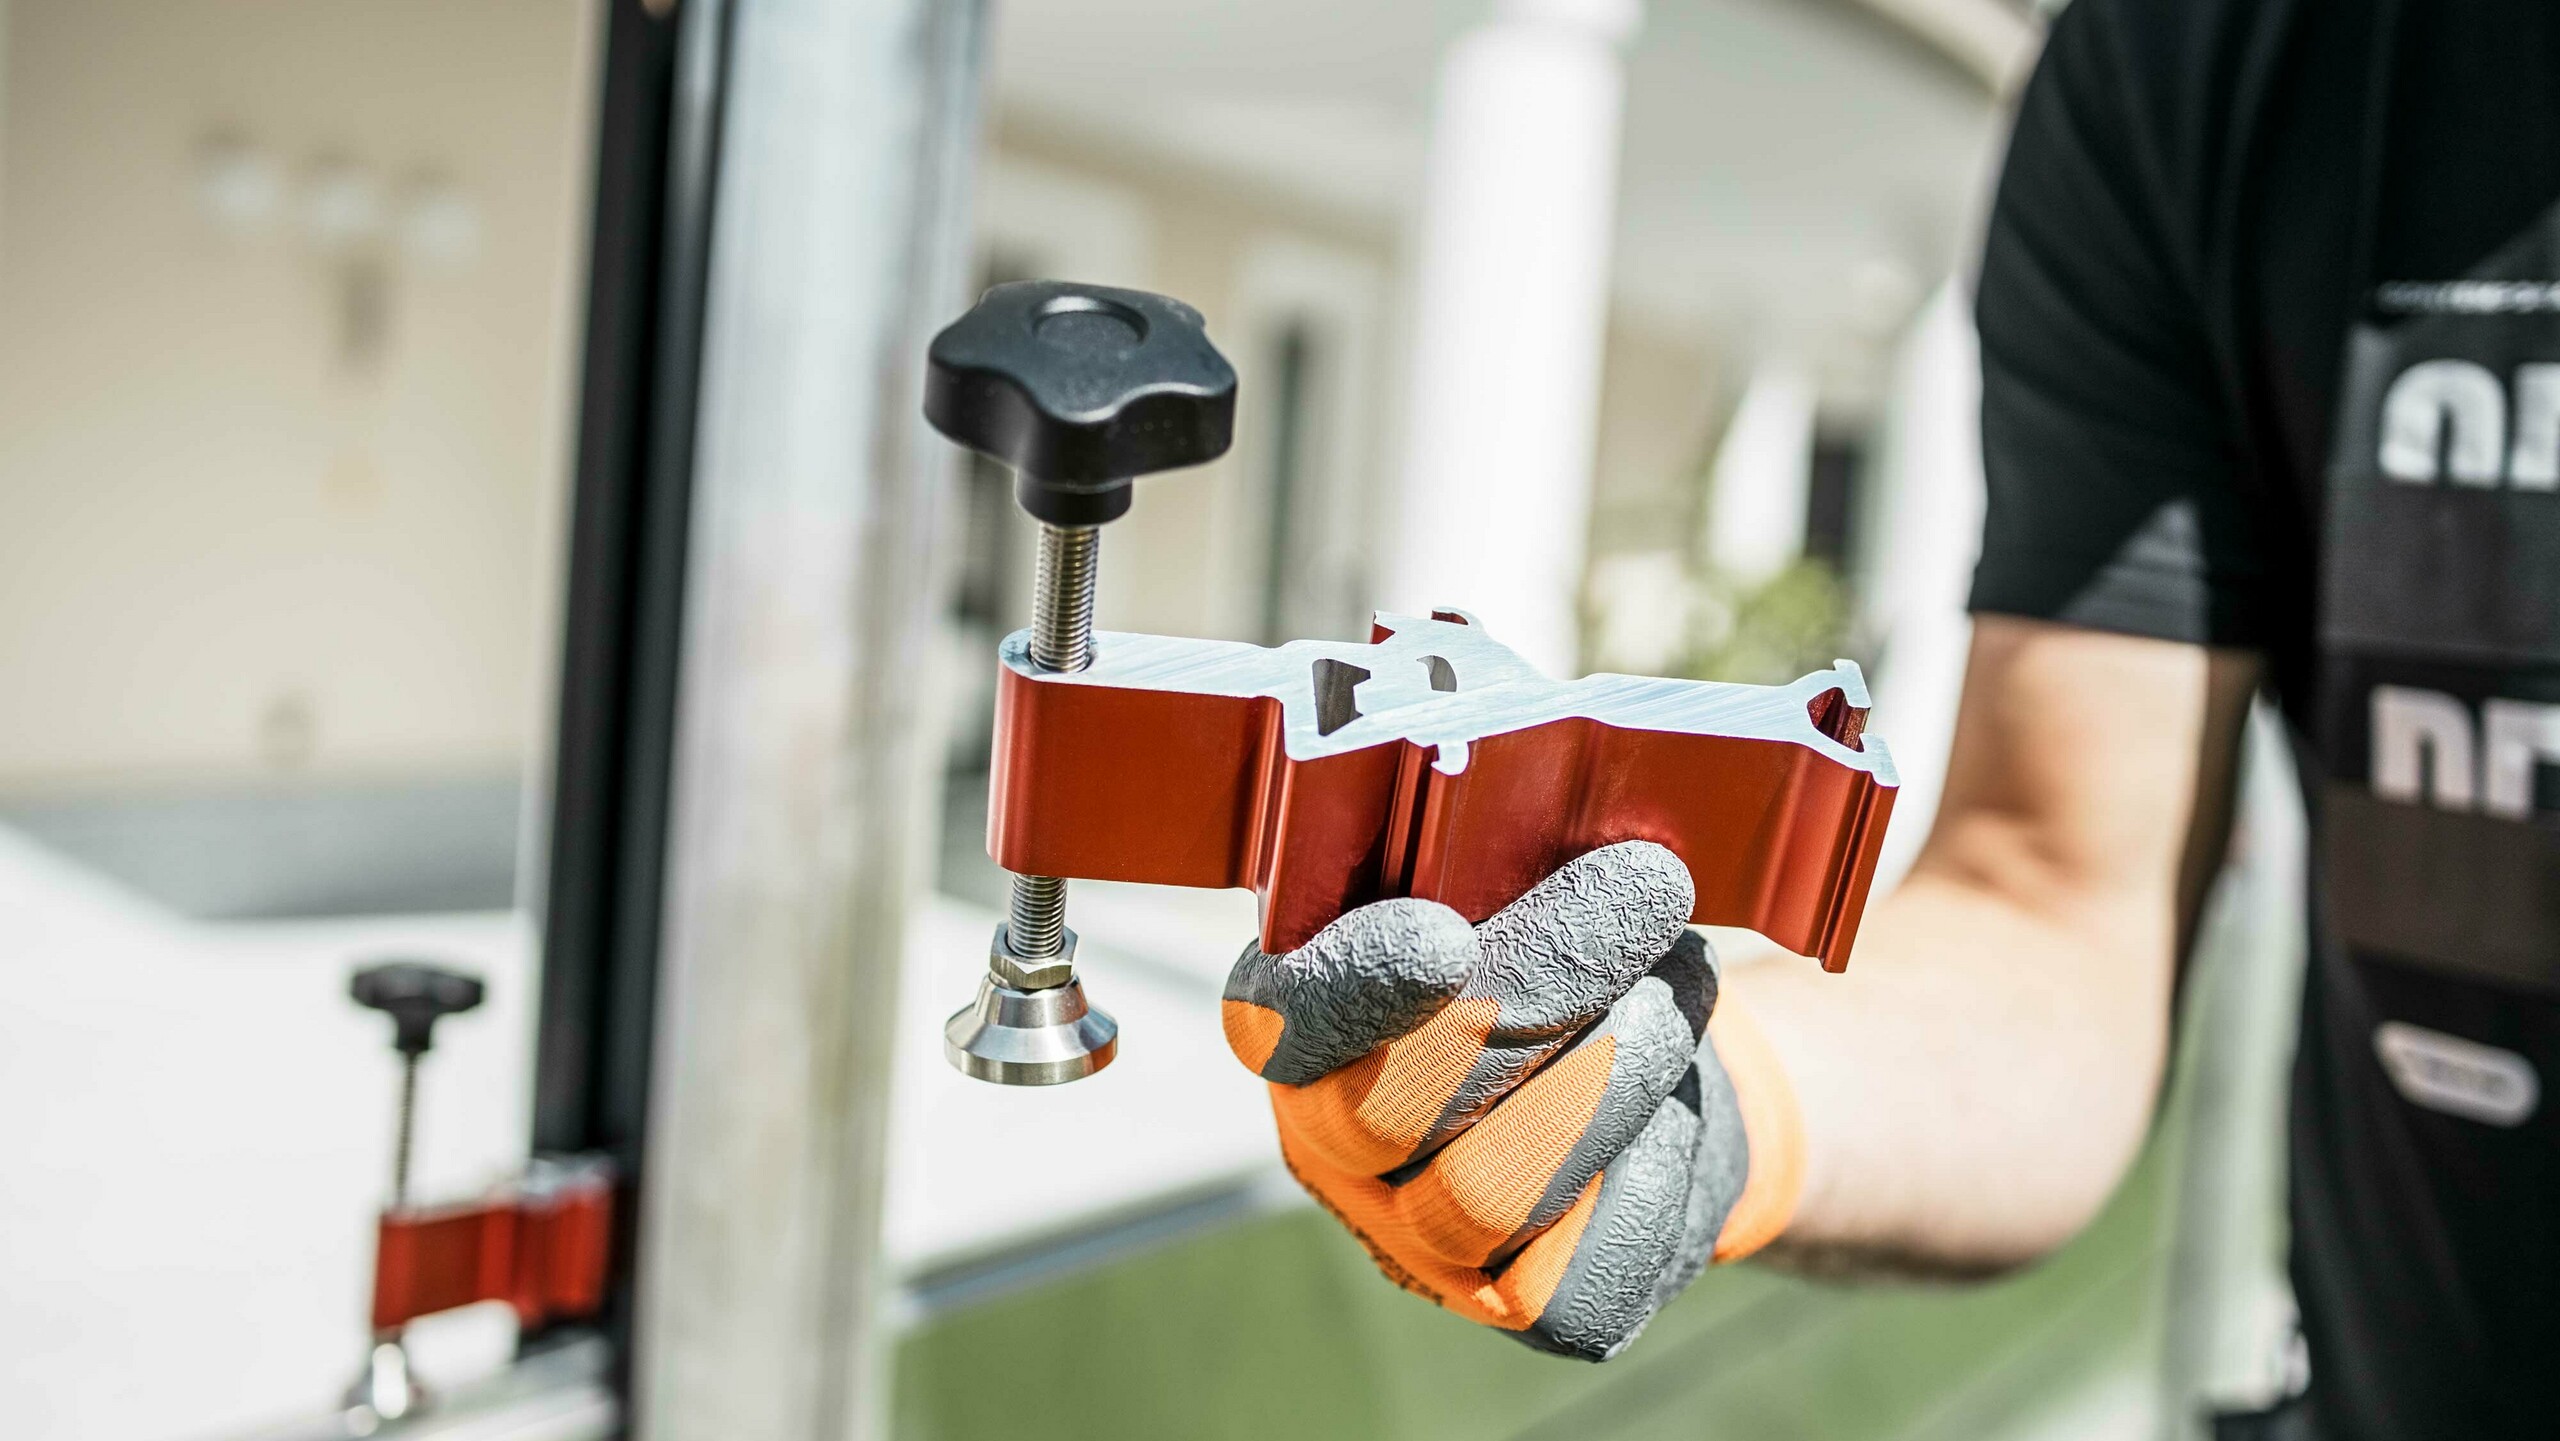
(2113, 473)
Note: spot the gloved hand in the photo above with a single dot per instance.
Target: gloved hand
(1525, 1121)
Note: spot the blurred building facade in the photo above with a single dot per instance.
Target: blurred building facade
(1784, 187)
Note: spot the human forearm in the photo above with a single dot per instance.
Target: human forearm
(1972, 1092)
(1973, 1089)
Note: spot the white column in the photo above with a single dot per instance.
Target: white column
(1763, 475)
(1915, 559)
(1511, 309)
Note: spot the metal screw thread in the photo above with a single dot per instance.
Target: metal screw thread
(1062, 597)
(1037, 927)
(408, 1128)
(1061, 640)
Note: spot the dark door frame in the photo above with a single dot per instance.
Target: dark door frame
(657, 157)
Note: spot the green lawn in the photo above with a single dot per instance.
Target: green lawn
(1278, 1328)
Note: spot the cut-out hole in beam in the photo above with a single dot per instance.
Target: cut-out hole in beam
(1336, 705)
(1835, 717)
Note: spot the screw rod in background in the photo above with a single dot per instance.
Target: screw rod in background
(407, 1128)
(415, 996)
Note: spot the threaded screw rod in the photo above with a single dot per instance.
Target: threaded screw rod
(1061, 640)
(1037, 925)
(408, 1125)
(1062, 597)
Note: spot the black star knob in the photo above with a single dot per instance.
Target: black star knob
(1080, 388)
(415, 996)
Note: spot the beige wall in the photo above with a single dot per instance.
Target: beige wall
(226, 544)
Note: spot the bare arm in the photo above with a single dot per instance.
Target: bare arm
(1975, 1086)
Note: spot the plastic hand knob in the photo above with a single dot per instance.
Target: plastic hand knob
(415, 996)
(1079, 388)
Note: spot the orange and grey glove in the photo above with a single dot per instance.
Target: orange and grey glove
(1532, 1122)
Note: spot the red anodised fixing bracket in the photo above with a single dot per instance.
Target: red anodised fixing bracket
(542, 1247)
(1434, 762)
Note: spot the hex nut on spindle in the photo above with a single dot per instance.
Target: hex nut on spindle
(1030, 1038)
(1031, 973)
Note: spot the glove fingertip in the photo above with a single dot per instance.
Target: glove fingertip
(1373, 975)
(1253, 1031)
(1651, 879)
(1408, 940)
(1561, 954)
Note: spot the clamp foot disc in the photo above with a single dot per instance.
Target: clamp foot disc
(1030, 1038)
(386, 1390)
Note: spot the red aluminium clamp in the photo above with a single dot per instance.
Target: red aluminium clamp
(1434, 762)
(542, 1246)
(1431, 762)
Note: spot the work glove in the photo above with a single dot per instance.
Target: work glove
(1525, 1121)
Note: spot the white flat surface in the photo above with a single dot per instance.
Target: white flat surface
(195, 1130)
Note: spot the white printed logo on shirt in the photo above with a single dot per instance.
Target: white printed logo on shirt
(2458, 1077)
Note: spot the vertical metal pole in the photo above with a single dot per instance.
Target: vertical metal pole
(836, 245)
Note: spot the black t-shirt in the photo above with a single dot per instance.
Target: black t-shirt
(2203, 202)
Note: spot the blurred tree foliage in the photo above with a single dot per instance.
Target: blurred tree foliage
(1766, 632)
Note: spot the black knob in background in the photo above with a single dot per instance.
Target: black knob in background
(416, 996)
(1079, 388)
